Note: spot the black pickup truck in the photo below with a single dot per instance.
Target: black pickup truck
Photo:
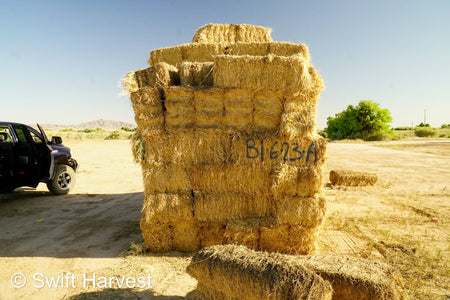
(27, 157)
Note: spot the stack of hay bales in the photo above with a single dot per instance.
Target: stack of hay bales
(226, 139)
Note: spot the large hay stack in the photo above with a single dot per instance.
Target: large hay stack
(226, 139)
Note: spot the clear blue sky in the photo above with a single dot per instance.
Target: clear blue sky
(60, 61)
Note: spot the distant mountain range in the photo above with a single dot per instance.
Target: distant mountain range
(104, 124)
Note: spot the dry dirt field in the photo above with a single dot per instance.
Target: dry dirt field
(61, 243)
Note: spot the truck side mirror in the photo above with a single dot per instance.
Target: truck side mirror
(56, 140)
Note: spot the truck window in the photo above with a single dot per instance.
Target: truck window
(36, 138)
(21, 135)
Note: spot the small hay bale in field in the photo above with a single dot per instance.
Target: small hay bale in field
(356, 278)
(305, 212)
(262, 72)
(352, 178)
(231, 33)
(239, 273)
(222, 207)
(196, 74)
(159, 75)
(211, 233)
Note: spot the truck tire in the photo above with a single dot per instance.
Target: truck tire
(63, 180)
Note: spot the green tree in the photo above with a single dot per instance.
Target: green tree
(365, 121)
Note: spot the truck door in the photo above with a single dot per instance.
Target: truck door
(28, 157)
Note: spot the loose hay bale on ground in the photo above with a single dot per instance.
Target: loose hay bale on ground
(231, 33)
(239, 273)
(352, 178)
(355, 278)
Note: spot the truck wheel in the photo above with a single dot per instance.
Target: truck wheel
(63, 180)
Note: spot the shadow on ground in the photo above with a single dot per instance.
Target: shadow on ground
(124, 294)
(37, 223)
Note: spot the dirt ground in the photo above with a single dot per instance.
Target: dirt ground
(69, 247)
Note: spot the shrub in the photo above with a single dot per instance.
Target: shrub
(403, 128)
(115, 135)
(444, 126)
(365, 121)
(424, 131)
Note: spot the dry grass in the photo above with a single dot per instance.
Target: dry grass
(392, 220)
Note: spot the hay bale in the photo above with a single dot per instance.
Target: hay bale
(269, 72)
(180, 108)
(186, 53)
(299, 116)
(211, 233)
(148, 107)
(356, 278)
(235, 272)
(268, 149)
(187, 147)
(245, 232)
(157, 237)
(268, 107)
(196, 74)
(231, 33)
(222, 207)
(306, 212)
(162, 178)
(185, 236)
(238, 109)
(288, 239)
(223, 178)
(293, 181)
(289, 49)
(164, 208)
(352, 178)
(209, 107)
(159, 75)
(198, 52)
